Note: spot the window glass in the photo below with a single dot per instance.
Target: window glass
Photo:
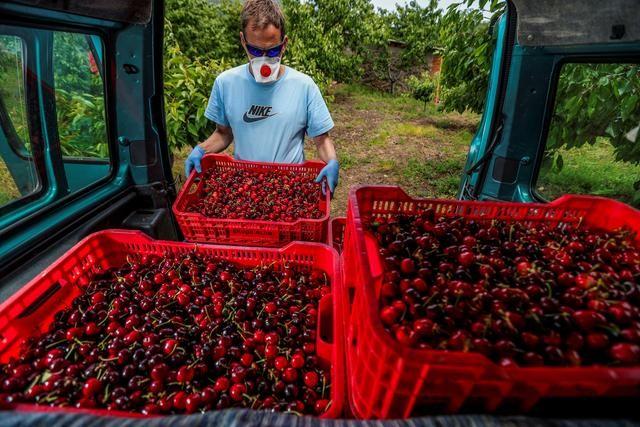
(80, 109)
(79, 98)
(75, 82)
(18, 177)
(593, 145)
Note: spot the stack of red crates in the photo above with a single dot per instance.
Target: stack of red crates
(387, 380)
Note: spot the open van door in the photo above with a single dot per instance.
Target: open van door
(82, 133)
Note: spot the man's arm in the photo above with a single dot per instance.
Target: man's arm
(327, 152)
(217, 142)
(326, 149)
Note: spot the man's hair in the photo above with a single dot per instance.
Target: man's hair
(262, 13)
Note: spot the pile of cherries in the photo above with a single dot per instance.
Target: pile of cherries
(528, 295)
(271, 196)
(180, 334)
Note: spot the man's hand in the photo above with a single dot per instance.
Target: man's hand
(216, 143)
(193, 161)
(331, 172)
(327, 152)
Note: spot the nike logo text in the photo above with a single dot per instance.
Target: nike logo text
(257, 113)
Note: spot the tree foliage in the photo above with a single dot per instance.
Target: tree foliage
(597, 100)
(187, 85)
(422, 88)
(416, 26)
(329, 39)
(79, 99)
(206, 30)
(466, 46)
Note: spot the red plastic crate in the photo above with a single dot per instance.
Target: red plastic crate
(31, 310)
(335, 233)
(199, 228)
(388, 381)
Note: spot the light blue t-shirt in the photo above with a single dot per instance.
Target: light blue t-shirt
(268, 120)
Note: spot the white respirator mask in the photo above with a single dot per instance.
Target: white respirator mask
(265, 69)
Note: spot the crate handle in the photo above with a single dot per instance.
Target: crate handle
(43, 298)
(325, 319)
(325, 347)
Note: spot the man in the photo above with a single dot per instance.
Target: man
(266, 107)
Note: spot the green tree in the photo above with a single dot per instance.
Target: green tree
(187, 85)
(466, 47)
(79, 98)
(597, 100)
(417, 26)
(422, 88)
(330, 38)
(206, 30)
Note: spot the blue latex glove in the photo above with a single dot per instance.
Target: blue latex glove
(331, 172)
(193, 161)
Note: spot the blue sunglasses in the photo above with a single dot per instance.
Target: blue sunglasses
(271, 52)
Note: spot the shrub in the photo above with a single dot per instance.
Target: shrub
(422, 88)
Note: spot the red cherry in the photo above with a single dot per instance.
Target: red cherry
(321, 406)
(625, 353)
(191, 403)
(466, 259)
(237, 391)
(290, 375)
(281, 363)
(389, 315)
(98, 297)
(585, 281)
(597, 340)
(407, 266)
(169, 346)
(91, 387)
(297, 361)
(180, 400)
(221, 384)
(270, 351)
(311, 379)
(523, 268)
(185, 374)
(270, 307)
(91, 329)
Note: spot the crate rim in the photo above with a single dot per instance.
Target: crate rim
(141, 235)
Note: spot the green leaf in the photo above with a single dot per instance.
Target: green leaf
(629, 106)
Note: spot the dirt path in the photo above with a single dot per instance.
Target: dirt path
(390, 140)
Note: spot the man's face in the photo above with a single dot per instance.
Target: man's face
(262, 38)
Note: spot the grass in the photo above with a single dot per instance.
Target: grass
(8, 189)
(442, 176)
(347, 161)
(591, 170)
(415, 130)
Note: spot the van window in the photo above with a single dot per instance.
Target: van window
(80, 109)
(18, 177)
(53, 125)
(593, 143)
